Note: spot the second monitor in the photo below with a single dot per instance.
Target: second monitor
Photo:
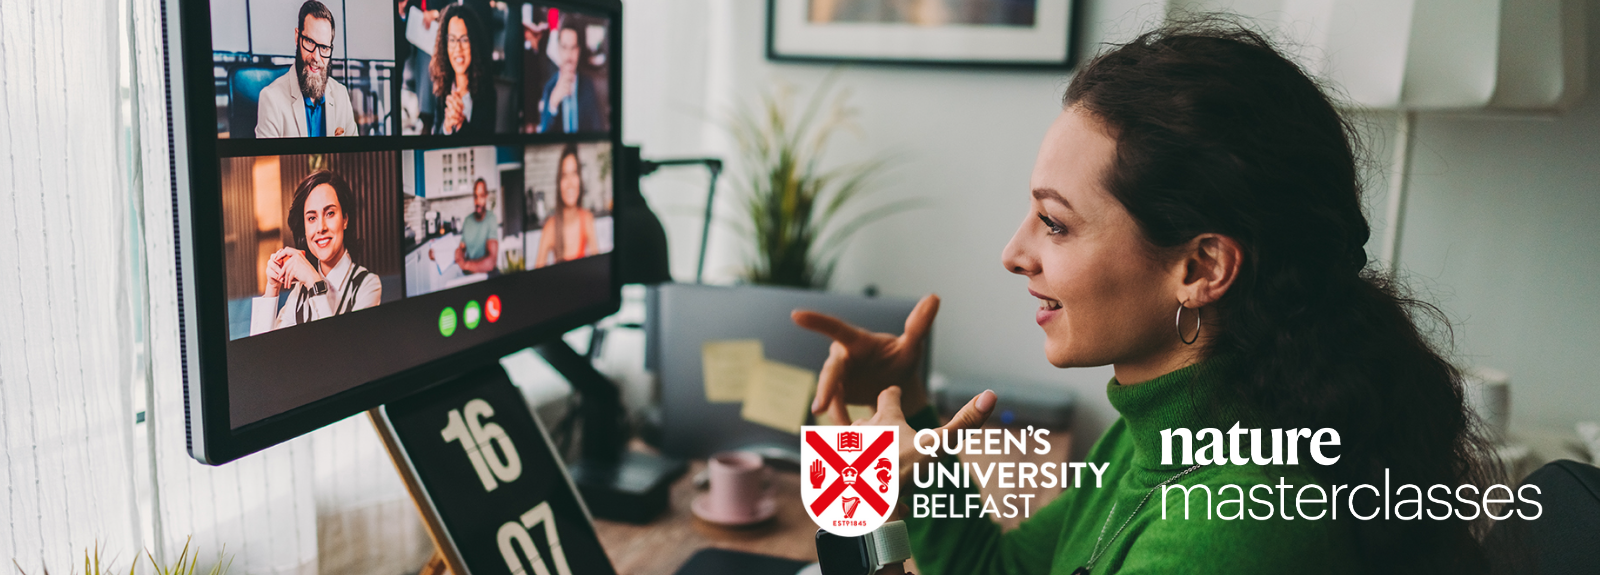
(682, 317)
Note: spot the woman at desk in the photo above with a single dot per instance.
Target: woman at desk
(318, 270)
(1196, 172)
(464, 94)
(568, 233)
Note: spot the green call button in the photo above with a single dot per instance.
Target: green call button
(471, 314)
(447, 321)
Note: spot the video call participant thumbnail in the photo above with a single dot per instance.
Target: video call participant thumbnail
(570, 103)
(465, 100)
(318, 271)
(480, 234)
(309, 102)
(569, 232)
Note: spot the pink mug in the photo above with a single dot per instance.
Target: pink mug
(740, 480)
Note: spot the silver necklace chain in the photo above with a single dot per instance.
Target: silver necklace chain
(1097, 549)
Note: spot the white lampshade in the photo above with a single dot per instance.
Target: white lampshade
(1506, 55)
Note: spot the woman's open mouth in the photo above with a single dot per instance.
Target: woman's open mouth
(323, 242)
(1048, 308)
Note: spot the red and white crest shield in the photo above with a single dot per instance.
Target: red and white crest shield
(849, 476)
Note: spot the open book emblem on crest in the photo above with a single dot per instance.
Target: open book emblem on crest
(849, 441)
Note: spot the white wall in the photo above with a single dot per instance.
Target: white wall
(1502, 221)
(965, 140)
(1503, 229)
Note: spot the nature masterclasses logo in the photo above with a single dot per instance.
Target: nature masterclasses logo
(851, 476)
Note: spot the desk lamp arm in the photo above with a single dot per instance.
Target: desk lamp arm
(714, 166)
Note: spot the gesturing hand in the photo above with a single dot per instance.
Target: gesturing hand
(293, 267)
(819, 472)
(454, 112)
(862, 364)
(971, 416)
(565, 83)
(275, 279)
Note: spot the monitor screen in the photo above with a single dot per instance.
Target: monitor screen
(374, 195)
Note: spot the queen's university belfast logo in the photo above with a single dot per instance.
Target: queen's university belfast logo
(851, 477)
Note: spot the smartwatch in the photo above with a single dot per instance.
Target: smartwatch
(865, 554)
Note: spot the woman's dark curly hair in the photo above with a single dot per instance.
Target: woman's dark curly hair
(444, 77)
(1218, 132)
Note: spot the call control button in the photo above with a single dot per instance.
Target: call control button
(491, 308)
(472, 314)
(447, 321)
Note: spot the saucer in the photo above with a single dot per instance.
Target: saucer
(765, 509)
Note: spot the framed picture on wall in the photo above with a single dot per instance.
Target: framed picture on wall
(986, 33)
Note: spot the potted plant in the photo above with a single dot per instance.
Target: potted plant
(798, 212)
(186, 564)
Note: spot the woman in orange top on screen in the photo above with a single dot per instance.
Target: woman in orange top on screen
(569, 232)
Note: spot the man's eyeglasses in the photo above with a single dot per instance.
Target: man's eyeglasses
(310, 45)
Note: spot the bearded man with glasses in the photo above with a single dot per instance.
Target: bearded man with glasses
(309, 102)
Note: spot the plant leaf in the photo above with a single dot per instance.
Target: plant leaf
(790, 201)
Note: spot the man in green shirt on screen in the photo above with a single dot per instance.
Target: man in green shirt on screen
(480, 234)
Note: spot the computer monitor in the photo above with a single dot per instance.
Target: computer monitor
(683, 317)
(371, 199)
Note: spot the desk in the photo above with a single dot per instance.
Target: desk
(661, 546)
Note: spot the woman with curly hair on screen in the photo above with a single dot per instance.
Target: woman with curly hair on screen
(463, 90)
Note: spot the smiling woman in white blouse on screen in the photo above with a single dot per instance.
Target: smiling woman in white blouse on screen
(318, 269)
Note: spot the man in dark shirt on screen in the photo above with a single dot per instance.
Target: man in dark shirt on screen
(570, 103)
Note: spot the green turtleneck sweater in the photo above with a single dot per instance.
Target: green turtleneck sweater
(1061, 537)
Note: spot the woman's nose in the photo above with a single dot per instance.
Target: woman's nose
(1017, 257)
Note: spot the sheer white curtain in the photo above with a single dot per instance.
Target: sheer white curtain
(88, 337)
(64, 361)
(366, 523)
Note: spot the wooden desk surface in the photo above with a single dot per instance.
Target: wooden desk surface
(661, 546)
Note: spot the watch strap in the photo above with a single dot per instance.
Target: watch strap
(891, 544)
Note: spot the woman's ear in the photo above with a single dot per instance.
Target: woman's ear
(1210, 265)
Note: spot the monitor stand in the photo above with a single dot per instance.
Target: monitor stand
(617, 483)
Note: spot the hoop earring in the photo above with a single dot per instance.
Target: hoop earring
(1178, 323)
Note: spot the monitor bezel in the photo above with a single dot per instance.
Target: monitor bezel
(198, 245)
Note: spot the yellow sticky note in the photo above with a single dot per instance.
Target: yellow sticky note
(780, 396)
(728, 367)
